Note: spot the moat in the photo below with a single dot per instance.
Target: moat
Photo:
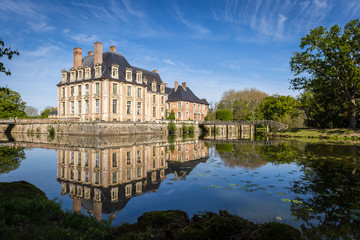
(313, 186)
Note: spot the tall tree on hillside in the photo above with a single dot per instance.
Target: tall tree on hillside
(330, 60)
(243, 103)
(6, 51)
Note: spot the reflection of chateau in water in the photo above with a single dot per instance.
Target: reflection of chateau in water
(104, 180)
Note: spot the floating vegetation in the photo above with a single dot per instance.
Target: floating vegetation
(215, 186)
(285, 200)
(281, 193)
(206, 187)
(271, 186)
(201, 175)
(297, 201)
(234, 184)
(228, 188)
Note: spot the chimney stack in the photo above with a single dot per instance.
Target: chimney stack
(77, 57)
(155, 71)
(90, 53)
(176, 86)
(184, 85)
(113, 48)
(98, 50)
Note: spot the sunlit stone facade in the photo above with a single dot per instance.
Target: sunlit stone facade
(104, 86)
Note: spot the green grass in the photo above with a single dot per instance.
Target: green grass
(336, 133)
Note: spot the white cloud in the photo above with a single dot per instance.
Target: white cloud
(168, 61)
(41, 27)
(196, 27)
(45, 50)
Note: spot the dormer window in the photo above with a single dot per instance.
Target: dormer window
(128, 74)
(153, 86)
(87, 72)
(98, 71)
(139, 77)
(115, 71)
(72, 75)
(80, 74)
(64, 76)
(145, 80)
(162, 89)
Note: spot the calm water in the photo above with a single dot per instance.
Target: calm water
(312, 186)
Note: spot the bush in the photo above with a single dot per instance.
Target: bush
(226, 115)
(171, 127)
(224, 147)
(171, 116)
(51, 132)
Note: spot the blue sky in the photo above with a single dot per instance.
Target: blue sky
(214, 45)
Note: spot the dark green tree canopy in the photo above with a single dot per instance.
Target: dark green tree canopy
(330, 61)
(226, 115)
(6, 51)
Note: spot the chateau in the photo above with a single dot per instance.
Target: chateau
(104, 86)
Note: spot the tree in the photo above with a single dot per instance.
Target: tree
(10, 158)
(6, 51)
(31, 111)
(242, 103)
(11, 104)
(47, 111)
(330, 59)
(225, 115)
(281, 108)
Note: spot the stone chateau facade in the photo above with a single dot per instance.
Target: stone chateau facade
(104, 86)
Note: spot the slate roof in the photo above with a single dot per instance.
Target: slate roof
(183, 95)
(110, 58)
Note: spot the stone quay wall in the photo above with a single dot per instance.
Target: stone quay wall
(94, 128)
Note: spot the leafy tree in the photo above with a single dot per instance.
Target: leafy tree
(225, 115)
(330, 60)
(242, 103)
(47, 111)
(31, 111)
(6, 51)
(281, 108)
(11, 104)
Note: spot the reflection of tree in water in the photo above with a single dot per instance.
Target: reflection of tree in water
(331, 208)
(10, 158)
(329, 190)
(245, 156)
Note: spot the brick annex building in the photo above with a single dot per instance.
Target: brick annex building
(104, 86)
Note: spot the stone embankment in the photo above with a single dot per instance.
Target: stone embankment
(62, 127)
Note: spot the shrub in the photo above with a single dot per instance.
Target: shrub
(224, 147)
(171, 116)
(171, 127)
(226, 115)
(51, 131)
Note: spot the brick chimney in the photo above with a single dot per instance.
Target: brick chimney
(184, 85)
(90, 53)
(155, 71)
(77, 57)
(176, 86)
(113, 48)
(98, 50)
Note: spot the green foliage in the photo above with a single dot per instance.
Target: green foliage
(225, 115)
(10, 158)
(171, 115)
(47, 111)
(242, 103)
(329, 64)
(171, 127)
(188, 129)
(51, 131)
(283, 109)
(11, 104)
(6, 51)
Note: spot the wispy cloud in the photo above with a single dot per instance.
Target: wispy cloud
(44, 50)
(80, 37)
(196, 27)
(41, 27)
(168, 61)
(279, 19)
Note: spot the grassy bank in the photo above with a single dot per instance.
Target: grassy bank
(336, 133)
(26, 213)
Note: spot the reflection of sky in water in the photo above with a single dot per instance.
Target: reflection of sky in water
(249, 193)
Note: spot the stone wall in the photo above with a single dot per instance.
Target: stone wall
(94, 128)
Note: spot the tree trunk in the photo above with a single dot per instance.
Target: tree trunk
(352, 112)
